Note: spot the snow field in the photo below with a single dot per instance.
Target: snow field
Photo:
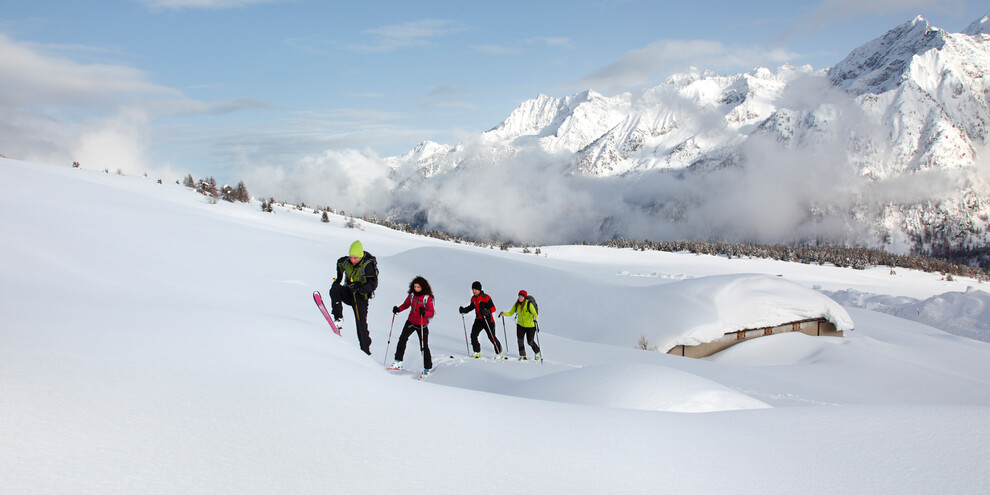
(151, 342)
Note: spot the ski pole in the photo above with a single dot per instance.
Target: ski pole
(422, 331)
(422, 348)
(466, 346)
(538, 340)
(492, 336)
(504, 335)
(389, 340)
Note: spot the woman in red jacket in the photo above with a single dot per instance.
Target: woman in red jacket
(420, 302)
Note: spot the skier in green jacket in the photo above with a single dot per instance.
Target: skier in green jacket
(526, 317)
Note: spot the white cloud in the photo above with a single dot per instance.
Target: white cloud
(297, 136)
(404, 35)
(652, 63)
(427, 28)
(188, 107)
(117, 142)
(527, 198)
(516, 47)
(57, 110)
(446, 96)
(350, 180)
(554, 41)
(495, 49)
(315, 45)
(30, 76)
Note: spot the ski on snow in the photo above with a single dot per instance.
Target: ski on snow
(326, 314)
(396, 371)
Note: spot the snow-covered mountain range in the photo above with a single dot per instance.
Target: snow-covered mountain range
(886, 148)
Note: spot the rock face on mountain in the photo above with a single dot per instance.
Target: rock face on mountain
(892, 137)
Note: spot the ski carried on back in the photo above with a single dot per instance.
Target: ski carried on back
(326, 314)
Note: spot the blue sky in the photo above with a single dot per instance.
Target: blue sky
(220, 87)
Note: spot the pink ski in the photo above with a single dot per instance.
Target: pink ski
(323, 309)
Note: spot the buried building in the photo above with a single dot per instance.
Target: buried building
(729, 309)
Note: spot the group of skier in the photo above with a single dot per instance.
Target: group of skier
(484, 320)
(355, 282)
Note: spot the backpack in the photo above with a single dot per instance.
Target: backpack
(372, 261)
(532, 300)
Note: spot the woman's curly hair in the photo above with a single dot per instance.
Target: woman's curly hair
(423, 284)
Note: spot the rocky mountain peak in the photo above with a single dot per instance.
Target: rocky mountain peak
(980, 26)
(879, 65)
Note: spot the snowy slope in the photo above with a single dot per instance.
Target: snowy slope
(155, 343)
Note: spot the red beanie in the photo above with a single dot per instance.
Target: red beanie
(523, 293)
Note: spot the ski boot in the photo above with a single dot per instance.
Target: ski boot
(476, 355)
(396, 365)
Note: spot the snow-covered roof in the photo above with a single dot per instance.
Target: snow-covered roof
(710, 307)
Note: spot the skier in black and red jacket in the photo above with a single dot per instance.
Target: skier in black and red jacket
(483, 308)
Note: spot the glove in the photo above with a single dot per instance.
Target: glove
(486, 313)
(395, 309)
(353, 286)
(422, 312)
(465, 309)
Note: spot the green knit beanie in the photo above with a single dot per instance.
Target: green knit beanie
(357, 250)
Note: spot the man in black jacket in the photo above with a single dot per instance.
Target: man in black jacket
(353, 285)
(483, 308)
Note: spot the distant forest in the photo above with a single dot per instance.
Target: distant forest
(859, 258)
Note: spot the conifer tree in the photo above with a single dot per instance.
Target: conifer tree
(241, 193)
